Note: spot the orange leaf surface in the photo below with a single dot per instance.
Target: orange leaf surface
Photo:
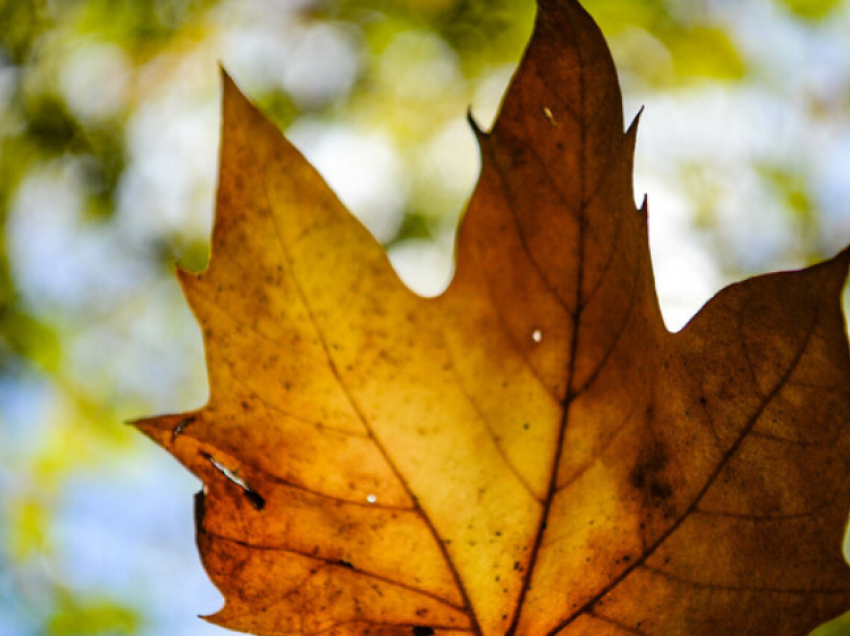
(531, 453)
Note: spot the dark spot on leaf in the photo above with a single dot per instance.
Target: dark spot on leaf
(345, 564)
(660, 490)
(648, 466)
(647, 474)
(256, 499)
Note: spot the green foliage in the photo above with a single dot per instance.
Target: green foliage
(698, 48)
(812, 9)
(92, 617)
(705, 52)
(838, 627)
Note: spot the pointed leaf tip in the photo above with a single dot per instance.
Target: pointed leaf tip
(636, 121)
(476, 129)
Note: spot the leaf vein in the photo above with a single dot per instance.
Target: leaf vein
(336, 563)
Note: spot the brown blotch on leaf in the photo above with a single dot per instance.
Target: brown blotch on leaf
(648, 475)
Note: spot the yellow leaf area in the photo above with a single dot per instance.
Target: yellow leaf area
(531, 453)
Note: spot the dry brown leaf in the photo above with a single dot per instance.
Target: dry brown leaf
(531, 453)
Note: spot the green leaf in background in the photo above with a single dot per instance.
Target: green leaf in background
(94, 616)
(838, 627)
(705, 52)
(811, 9)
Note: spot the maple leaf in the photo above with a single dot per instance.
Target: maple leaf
(531, 453)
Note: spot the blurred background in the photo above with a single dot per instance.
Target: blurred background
(109, 123)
